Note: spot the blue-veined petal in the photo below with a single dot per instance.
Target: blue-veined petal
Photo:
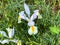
(36, 12)
(3, 33)
(5, 41)
(33, 17)
(23, 16)
(31, 23)
(27, 9)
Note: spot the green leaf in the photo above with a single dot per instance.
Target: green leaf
(1, 35)
(54, 30)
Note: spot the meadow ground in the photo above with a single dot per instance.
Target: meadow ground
(48, 26)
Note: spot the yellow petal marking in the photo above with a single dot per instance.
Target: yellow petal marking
(33, 28)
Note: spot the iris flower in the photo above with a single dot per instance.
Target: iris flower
(10, 32)
(30, 18)
(10, 35)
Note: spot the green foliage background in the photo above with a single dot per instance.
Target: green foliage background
(50, 11)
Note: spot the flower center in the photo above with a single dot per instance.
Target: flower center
(33, 28)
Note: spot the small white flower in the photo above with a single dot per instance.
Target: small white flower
(10, 32)
(33, 30)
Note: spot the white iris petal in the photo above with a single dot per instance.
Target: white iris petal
(35, 31)
(31, 23)
(33, 17)
(3, 33)
(5, 41)
(27, 9)
(23, 16)
(36, 11)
